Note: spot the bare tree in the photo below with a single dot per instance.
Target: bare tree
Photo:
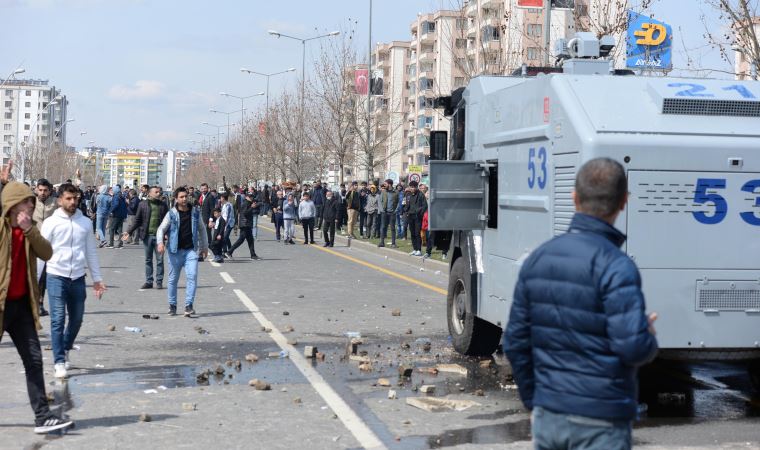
(738, 32)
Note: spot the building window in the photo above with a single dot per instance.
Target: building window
(412, 70)
(422, 140)
(426, 83)
(460, 43)
(7, 137)
(410, 144)
(27, 115)
(534, 30)
(490, 33)
(533, 52)
(9, 115)
(461, 24)
(28, 93)
(9, 92)
(424, 121)
(7, 127)
(458, 82)
(27, 127)
(27, 104)
(428, 27)
(8, 104)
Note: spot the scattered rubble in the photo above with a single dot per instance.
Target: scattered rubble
(365, 367)
(200, 330)
(289, 329)
(452, 368)
(384, 382)
(320, 356)
(285, 313)
(310, 351)
(292, 341)
(405, 371)
(427, 389)
(436, 404)
(408, 331)
(251, 357)
(297, 400)
(486, 363)
(396, 312)
(359, 359)
(392, 395)
(301, 296)
(189, 407)
(479, 393)
(428, 370)
(150, 316)
(144, 417)
(111, 328)
(260, 385)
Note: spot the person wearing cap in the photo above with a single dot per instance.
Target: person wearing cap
(20, 245)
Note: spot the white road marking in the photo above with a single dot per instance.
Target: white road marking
(352, 422)
(215, 264)
(226, 277)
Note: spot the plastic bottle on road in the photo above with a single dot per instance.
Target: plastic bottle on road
(353, 334)
(133, 329)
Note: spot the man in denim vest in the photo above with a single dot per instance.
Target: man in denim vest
(186, 240)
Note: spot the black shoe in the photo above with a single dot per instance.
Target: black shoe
(327, 244)
(394, 246)
(172, 310)
(255, 257)
(381, 244)
(159, 285)
(312, 242)
(189, 311)
(43, 311)
(52, 423)
(332, 245)
(147, 286)
(305, 242)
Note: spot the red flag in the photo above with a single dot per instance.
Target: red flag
(530, 3)
(262, 128)
(361, 80)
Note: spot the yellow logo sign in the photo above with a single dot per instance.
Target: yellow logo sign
(650, 34)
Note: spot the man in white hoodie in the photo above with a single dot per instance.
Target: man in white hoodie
(74, 250)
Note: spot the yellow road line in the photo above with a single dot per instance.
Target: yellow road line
(372, 266)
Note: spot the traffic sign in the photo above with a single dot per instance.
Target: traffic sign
(415, 177)
(414, 168)
(392, 176)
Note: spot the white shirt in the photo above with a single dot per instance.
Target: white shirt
(74, 247)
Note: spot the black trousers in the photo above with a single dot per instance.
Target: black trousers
(308, 229)
(246, 235)
(362, 223)
(414, 225)
(18, 322)
(388, 219)
(328, 231)
(320, 208)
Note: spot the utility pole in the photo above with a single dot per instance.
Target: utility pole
(547, 30)
(369, 94)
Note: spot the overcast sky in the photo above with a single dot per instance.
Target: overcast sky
(144, 73)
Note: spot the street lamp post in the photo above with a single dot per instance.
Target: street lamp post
(218, 129)
(303, 67)
(228, 122)
(267, 75)
(242, 106)
(13, 74)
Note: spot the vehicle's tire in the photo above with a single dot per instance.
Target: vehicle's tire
(753, 368)
(470, 335)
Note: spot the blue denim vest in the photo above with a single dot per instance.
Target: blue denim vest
(174, 229)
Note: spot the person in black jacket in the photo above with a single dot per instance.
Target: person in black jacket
(319, 202)
(246, 217)
(577, 330)
(331, 216)
(150, 213)
(415, 206)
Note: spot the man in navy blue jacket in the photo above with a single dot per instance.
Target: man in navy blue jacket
(118, 215)
(578, 331)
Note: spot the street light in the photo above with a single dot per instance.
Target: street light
(303, 66)
(242, 106)
(268, 75)
(228, 121)
(218, 128)
(12, 75)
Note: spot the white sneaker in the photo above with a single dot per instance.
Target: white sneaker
(417, 253)
(60, 370)
(412, 252)
(67, 363)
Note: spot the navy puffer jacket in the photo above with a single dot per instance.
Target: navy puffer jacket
(577, 330)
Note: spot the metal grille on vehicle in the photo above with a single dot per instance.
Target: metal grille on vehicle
(564, 183)
(702, 107)
(728, 296)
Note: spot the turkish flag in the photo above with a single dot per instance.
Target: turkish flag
(361, 81)
(530, 3)
(262, 128)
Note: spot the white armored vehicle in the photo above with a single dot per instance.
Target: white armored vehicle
(691, 149)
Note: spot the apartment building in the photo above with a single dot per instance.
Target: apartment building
(431, 72)
(30, 116)
(129, 167)
(743, 66)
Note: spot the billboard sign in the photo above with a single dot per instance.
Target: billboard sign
(649, 43)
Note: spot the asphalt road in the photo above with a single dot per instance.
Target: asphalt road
(246, 307)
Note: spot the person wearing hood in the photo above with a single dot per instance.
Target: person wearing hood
(118, 215)
(74, 251)
(103, 209)
(20, 244)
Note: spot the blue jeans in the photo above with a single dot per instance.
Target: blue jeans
(101, 226)
(565, 431)
(188, 259)
(226, 243)
(65, 295)
(278, 224)
(149, 245)
(255, 226)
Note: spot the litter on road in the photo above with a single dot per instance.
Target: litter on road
(435, 404)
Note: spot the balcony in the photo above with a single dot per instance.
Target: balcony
(427, 38)
(472, 9)
(492, 20)
(426, 57)
(427, 74)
